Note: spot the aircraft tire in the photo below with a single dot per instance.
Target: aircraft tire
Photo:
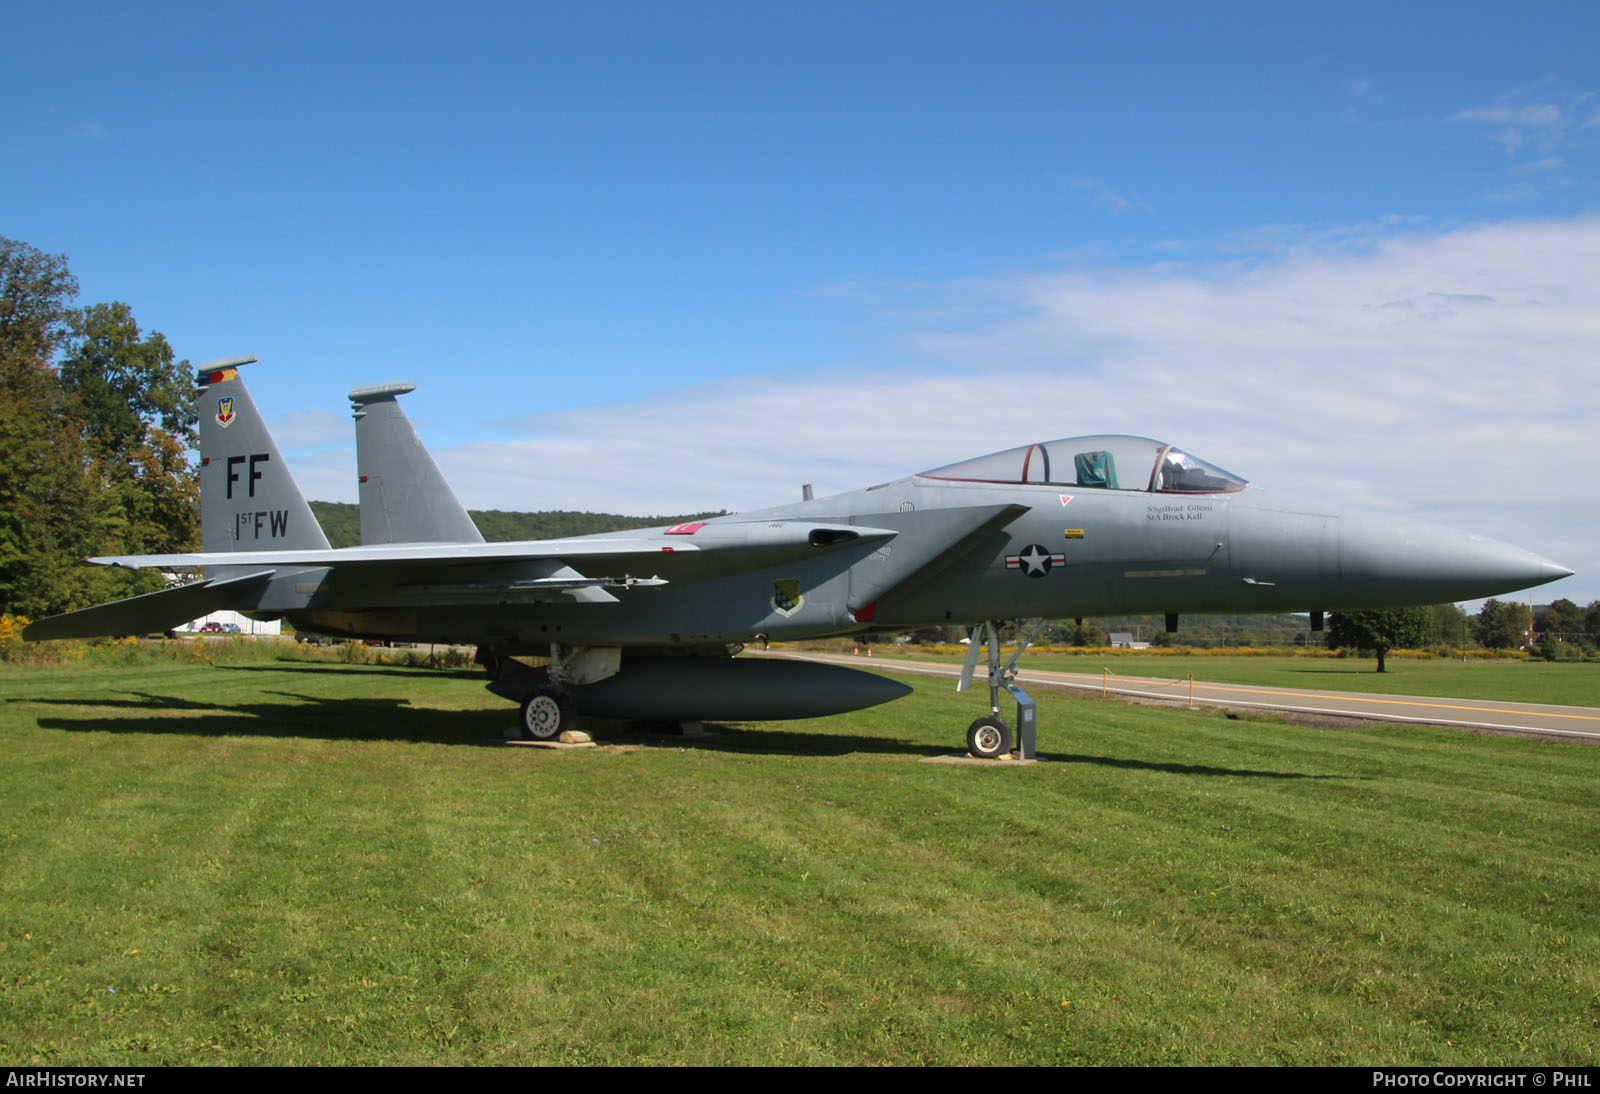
(988, 738)
(545, 715)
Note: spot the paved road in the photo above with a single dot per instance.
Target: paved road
(1487, 714)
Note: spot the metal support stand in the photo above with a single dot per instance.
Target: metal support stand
(1027, 723)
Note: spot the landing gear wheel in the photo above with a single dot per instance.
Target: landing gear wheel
(988, 738)
(544, 716)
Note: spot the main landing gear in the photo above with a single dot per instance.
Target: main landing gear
(989, 737)
(546, 714)
(545, 696)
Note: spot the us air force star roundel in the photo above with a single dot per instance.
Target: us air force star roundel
(1034, 560)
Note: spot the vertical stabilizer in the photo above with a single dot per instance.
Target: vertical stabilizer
(248, 499)
(404, 497)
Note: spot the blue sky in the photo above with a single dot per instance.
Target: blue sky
(656, 257)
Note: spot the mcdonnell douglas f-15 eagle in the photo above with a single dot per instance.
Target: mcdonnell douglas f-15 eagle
(644, 624)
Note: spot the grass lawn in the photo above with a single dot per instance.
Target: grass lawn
(286, 863)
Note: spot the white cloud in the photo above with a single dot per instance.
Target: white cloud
(1534, 167)
(1544, 127)
(1447, 374)
(327, 474)
(1539, 138)
(315, 428)
(1536, 116)
(1108, 200)
(319, 444)
(1363, 103)
(1521, 191)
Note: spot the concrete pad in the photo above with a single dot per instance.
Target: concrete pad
(549, 744)
(963, 758)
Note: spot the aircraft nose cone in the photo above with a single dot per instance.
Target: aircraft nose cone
(1555, 571)
(1433, 563)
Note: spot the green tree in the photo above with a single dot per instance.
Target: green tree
(47, 516)
(36, 294)
(127, 385)
(137, 418)
(1549, 646)
(1561, 616)
(1501, 626)
(1447, 625)
(1379, 630)
(93, 455)
(1083, 634)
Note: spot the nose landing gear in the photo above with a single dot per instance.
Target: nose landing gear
(989, 737)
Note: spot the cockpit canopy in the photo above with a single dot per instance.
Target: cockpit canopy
(1100, 463)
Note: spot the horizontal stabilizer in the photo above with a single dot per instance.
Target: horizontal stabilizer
(158, 611)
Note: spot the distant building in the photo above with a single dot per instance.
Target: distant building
(1123, 640)
(245, 624)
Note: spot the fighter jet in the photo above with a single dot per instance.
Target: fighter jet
(645, 624)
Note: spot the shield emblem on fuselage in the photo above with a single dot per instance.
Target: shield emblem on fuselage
(225, 412)
(786, 596)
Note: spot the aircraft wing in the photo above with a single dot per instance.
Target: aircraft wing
(158, 611)
(721, 547)
(932, 539)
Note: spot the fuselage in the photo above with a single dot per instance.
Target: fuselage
(1082, 526)
(1070, 552)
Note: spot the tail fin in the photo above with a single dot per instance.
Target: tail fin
(248, 499)
(404, 497)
